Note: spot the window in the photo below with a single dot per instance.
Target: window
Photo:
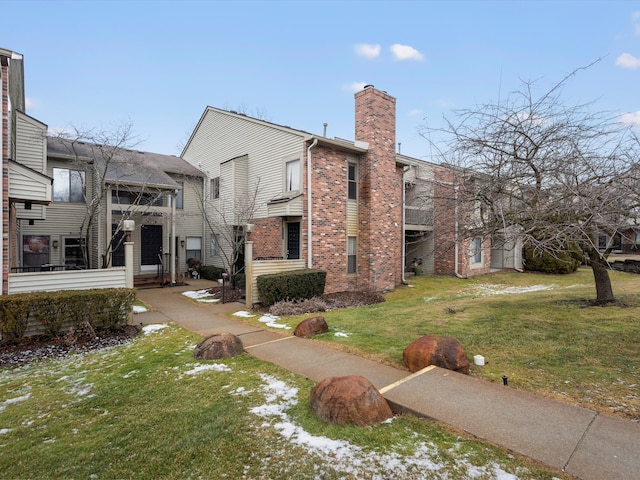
(476, 250)
(352, 244)
(215, 245)
(194, 248)
(352, 181)
(293, 175)
(215, 187)
(180, 196)
(73, 252)
(35, 250)
(68, 185)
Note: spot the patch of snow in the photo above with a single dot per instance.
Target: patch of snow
(341, 334)
(489, 289)
(199, 368)
(197, 294)
(429, 299)
(4, 431)
(11, 401)
(139, 309)
(272, 321)
(351, 459)
(147, 329)
(243, 314)
(130, 374)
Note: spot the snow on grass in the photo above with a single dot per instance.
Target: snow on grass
(272, 321)
(139, 309)
(147, 329)
(243, 314)
(490, 289)
(11, 401)
(200, 367)
(341, 334)
(201, 296)
(351, 459)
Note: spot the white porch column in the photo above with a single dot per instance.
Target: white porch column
(172, 246)
(128, 226)
(248, 269)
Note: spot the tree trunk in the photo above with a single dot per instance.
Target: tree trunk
(604, 291)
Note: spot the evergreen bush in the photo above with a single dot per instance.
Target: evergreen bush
(293, 285)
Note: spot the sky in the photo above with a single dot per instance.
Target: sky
(159, 64)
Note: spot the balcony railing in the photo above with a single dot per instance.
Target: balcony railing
(418, 216)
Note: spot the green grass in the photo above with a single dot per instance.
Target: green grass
(148, 410)
(547, 342)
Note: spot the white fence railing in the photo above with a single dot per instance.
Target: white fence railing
(66, 280)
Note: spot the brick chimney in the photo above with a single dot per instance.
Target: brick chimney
(380, 206)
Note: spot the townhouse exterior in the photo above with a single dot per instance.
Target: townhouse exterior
(103, 186)
(355, 209)
(25, 187)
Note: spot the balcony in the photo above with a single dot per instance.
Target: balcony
(418, 218)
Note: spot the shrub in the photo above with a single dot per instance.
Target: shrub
(51, 312)
(209, 272)
(293, 285)
(566, 261)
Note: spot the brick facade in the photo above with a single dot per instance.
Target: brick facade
(381, 187)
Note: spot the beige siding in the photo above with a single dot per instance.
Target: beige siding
(66, 280)
(31, 143)
(267, 267)
(25, 184)
(352, 218)
(221, 137)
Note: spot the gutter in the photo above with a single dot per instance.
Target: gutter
(309, 209)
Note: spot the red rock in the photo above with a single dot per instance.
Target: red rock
(222, 345)
(444, 352)
(350, 400)
(311, 326)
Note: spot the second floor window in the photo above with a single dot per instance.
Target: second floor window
(352, 181)
(293, 176)
(215, 187)
(68, 185)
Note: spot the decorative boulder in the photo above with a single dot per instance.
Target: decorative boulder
(222, 345)
(351, 400)
(311, 326)
(444, 352)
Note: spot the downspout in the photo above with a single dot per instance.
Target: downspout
(404, 224)
(172, 246)
(309, 209)
(457, 237)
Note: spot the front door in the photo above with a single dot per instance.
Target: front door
(151, 245)
(293, 240)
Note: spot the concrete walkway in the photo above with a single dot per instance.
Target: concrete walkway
(581, 442)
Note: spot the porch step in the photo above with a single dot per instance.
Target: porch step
(147, 281)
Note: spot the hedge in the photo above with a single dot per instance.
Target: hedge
(50, 313)
(293, 285)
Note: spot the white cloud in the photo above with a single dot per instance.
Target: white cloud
(632, 119)
(29, 103)
(626, 60)
(354, 87)
(415, 112)
(367, 50)
(405, 52)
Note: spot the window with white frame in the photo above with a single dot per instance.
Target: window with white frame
(476, 250)
(352, 181)
(292, 174)
(215, 188)
(180, 196)
(214, 246)
(352, 249)
(68, 185)
(194, 248)
(35, 250)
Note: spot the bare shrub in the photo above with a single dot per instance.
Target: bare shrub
(325, 303)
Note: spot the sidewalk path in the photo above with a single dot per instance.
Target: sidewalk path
(581, 442)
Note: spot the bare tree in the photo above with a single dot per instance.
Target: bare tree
(553, 175)
(108, 159)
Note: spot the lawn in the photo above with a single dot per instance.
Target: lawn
(149, 410)
(538, 330)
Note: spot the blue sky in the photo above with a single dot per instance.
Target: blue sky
(158, 64)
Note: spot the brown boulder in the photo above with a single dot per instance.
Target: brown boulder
(222, 345)
(351, 400)
(311, 326)
(444, 352)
